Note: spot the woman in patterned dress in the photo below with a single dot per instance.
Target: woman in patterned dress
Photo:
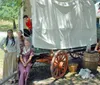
(25, 62)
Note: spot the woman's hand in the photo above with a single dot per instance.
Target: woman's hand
(17, 59)
(5, 51)
(98, 51)
(24, 64)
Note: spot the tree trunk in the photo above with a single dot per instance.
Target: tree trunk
(14, 24)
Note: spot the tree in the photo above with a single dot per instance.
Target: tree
(9, 10)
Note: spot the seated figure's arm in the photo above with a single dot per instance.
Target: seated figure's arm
(21, 60)
(30, 57)
(96, 48)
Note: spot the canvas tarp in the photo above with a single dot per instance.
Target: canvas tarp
(62, 24)
(97, 9)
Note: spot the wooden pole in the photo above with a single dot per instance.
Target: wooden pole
(5, 80)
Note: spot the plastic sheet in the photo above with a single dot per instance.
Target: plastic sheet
(62, 24)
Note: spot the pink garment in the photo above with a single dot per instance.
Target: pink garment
(24, 71)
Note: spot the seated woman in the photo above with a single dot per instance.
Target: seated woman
(25, 62)
(97, 48)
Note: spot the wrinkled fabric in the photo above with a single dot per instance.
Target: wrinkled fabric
(62, 24)
(9, 64)
(97, 9)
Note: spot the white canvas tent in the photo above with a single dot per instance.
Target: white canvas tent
(61, 24)
(97, 10)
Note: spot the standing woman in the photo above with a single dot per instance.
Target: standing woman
(20, 42)
(9, 46)
(20, 39)
(25, 62)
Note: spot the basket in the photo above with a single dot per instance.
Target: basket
(90, 60)
(73, 67)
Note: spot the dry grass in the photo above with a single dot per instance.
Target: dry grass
(2, 22)
(1, 62)
(5, 25)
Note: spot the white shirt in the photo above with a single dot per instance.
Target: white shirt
(9, 47)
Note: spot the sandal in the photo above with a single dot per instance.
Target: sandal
(11, 81)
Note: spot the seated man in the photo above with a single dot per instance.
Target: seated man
(28, 23)
(97, 48)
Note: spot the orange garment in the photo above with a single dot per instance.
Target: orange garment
(29, 24)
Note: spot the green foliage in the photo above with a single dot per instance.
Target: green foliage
(6, 24)
(5, 27)
(9, 9)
